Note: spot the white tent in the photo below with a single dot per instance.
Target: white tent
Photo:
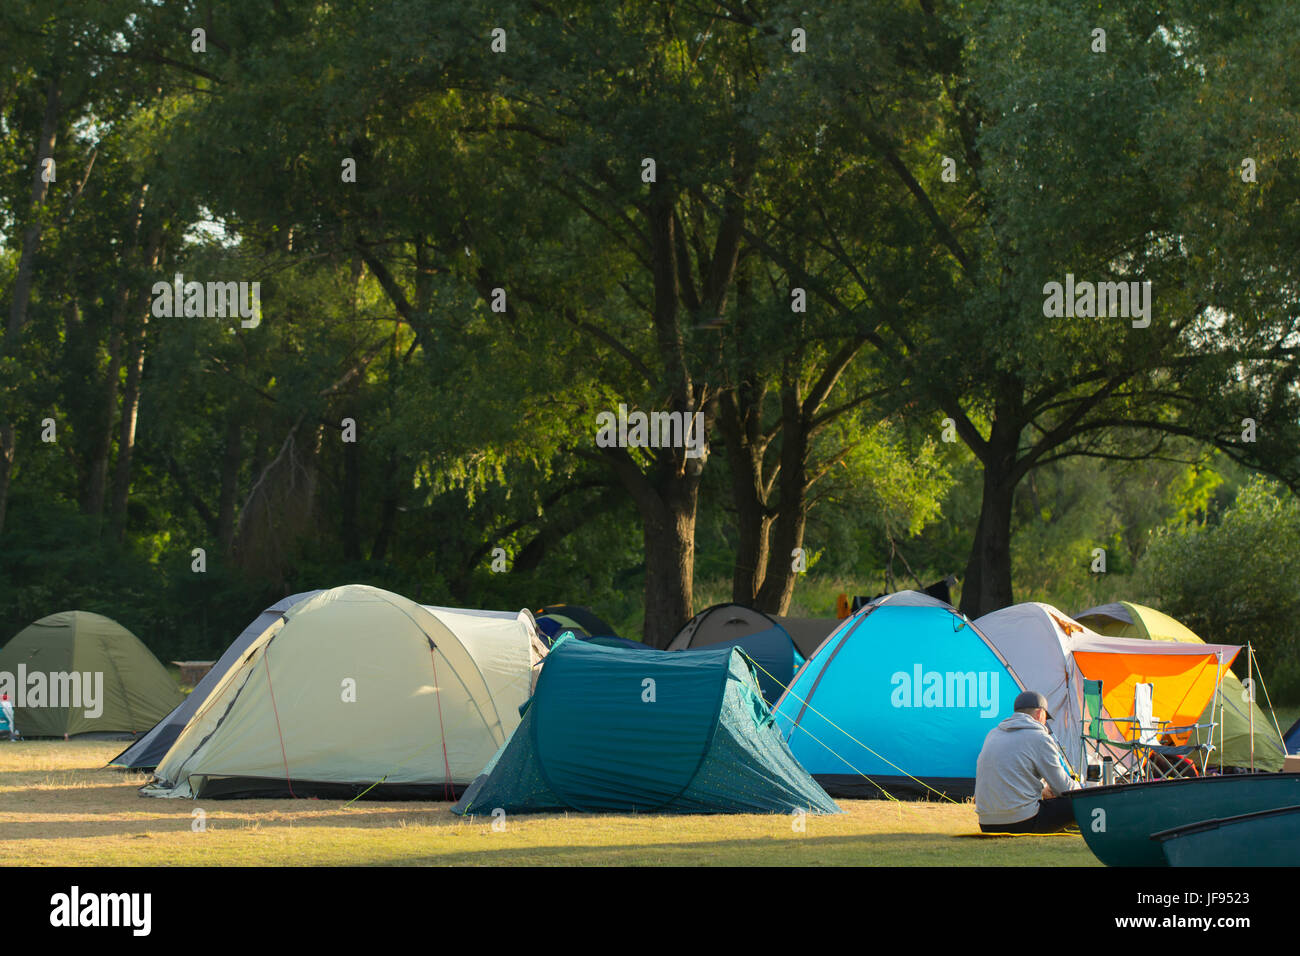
(358, 689)
(147, 750)
(1035, 640)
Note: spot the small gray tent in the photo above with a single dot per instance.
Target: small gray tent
(769, 647)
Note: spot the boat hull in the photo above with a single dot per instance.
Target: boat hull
(1118, 821)
(1267, 838)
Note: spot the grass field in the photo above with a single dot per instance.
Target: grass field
(58, 807)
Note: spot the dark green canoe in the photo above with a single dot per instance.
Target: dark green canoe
(1118, 821)
(1266, 838)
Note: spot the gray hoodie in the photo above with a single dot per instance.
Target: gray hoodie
(1018, 756)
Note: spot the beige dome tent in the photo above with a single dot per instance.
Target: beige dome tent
(77, 673)
(358, 690)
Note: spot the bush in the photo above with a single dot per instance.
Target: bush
(1237, 581)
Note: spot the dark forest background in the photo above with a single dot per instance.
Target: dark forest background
(478, 225)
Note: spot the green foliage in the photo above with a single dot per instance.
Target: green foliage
(478, 171)
(1234, 581)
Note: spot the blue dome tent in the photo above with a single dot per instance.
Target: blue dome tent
(898, 701)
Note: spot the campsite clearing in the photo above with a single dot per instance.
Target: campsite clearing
(58, 807)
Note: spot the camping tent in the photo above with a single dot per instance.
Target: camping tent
(1035, 639)
(1292, 739)
(553, 619)
(768, 644)
(1053, 654)
(614, 642)
(898, 700)
(1232, 737)
(644, 731)
(807, 632)
(77, 673)
(145, 753)
(352, 688)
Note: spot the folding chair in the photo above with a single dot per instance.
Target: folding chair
(1120, 751)
(1160, 757)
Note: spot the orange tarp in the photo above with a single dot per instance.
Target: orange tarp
(1183, 684)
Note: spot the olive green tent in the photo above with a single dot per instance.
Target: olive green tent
(78, 673)
(1232, 738)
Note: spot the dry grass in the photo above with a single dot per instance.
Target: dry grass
(58, 807)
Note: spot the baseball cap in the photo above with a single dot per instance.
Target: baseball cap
(1031, 698)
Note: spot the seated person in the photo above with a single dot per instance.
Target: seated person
(1019, 772)
(7, 717)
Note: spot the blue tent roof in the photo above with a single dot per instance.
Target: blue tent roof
(898, 699)
(558, 616)
(1292, 739)
(645, 731)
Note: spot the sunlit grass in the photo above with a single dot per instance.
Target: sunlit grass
(57, 806)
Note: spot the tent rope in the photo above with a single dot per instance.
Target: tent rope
(389, 774)
(839, 756)
(266, 659)
(809, 706)
(1272, 713)
(447, 791)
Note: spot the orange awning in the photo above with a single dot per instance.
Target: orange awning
(1184, 677)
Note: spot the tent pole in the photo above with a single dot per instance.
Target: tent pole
(1250, 682)
(1219, 692)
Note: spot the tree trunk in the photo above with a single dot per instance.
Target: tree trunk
(101, 448)
(667, 497)
(350, 530)
(988, 573)
(22, 289)
(131, 396)
(791, 511)
(102, 437)
(736, 411)
(230, 462)
(7, 442)
(387, 512)
(32, 234)
(669, 535)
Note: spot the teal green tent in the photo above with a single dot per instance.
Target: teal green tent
(637, 731)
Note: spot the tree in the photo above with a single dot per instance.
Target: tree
(1067, 163)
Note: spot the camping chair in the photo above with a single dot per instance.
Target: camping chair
(1121, 751)
(1159, 757)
